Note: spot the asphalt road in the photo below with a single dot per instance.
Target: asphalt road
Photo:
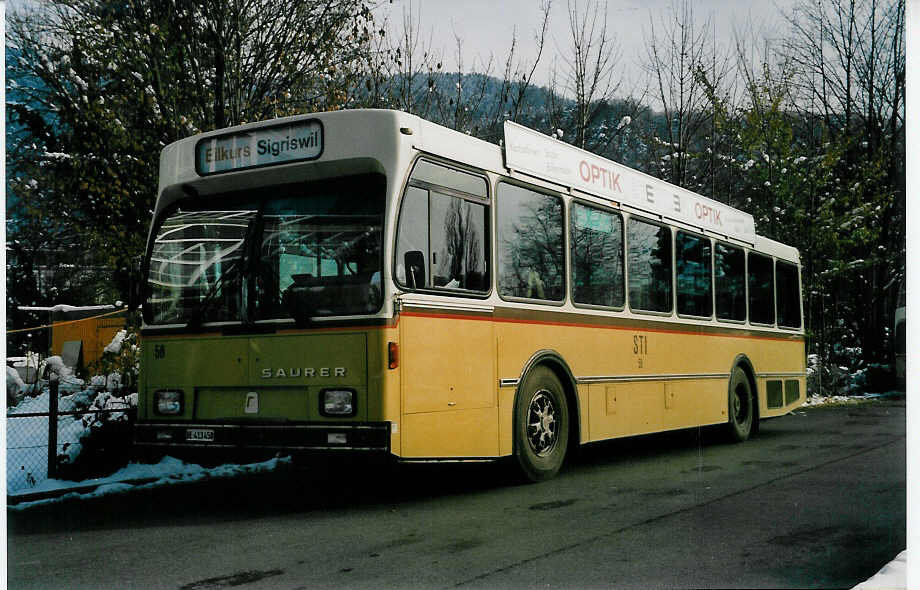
(816, 499)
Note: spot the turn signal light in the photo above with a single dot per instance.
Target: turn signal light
(393, 354)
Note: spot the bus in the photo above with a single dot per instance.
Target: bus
(367, 281)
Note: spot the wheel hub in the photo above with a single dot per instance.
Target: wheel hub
(739, 406)
(541, 424)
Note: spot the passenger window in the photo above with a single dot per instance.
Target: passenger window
(442, 239)
(788, 309)
(531, 256)
(649, 261)
(760, 289)
(729, 271)
(597, 257)
(694, 275)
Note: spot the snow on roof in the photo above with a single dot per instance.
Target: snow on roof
(60, 307)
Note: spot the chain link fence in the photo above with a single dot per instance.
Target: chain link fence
(74, 435)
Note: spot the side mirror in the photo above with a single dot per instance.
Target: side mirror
(135, 285)
(415, 268)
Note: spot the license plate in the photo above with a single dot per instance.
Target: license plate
(199, 434)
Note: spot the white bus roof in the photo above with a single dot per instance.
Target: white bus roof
(527, 153)
(778, 249)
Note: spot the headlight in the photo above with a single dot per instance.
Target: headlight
(337, 402)
(167, 403)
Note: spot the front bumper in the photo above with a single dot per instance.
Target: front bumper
(366, 436)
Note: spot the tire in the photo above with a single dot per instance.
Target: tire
(541, 425)
(740, 406)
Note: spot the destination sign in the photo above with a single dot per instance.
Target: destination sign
(259, 147)
(540, 155)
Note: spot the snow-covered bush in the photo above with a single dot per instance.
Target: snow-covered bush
(118, 366)
(828, 378)
(853, 378)
(15, 387)
(54, 368)
(105, 442)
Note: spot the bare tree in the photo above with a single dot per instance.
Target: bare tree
(413, 78)
(460, 100)
(590, 65)
(850, 56)
(517, 80)
(413, 58)
(685, 68)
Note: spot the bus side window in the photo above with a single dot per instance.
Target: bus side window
(649, 264)
(788, 310)
(442, 237)
(531, 251)
(760, 289)
(694, 275)
(730, 294)
(597, 256)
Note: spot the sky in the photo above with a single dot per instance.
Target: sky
(486, 26)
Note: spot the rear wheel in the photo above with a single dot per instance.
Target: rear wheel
(740, 406)
(541, 425)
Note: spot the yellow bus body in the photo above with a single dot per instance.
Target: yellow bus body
(459, 377)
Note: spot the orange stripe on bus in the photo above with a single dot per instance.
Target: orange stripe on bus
(791, 337)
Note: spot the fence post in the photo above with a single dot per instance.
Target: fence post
(53, 383)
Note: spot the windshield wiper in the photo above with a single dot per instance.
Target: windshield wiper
(197, 318)
(237, 267)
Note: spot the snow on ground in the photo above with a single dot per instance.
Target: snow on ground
(27, 451)
(815, 400)
(138, 476)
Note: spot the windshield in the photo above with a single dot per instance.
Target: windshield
(295, 251)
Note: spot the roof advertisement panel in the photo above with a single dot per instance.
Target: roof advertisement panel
(540, 155)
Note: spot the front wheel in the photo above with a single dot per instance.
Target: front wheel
(541, 425)
(740, 406)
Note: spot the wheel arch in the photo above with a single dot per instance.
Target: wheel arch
(554, 362)
(745, 364)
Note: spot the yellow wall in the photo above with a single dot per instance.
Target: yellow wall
(95, 333)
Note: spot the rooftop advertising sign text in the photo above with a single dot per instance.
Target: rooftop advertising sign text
(534, 153)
